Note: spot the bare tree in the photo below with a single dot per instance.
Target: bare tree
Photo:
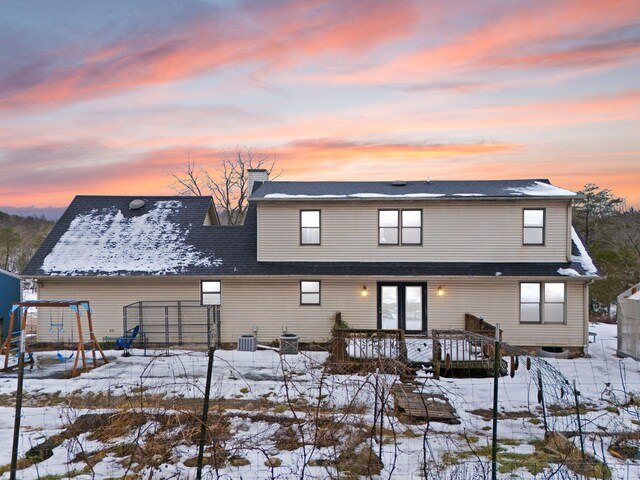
(229, 186)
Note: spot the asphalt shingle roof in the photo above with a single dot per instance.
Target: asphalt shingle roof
(450, 189)
(223, 250)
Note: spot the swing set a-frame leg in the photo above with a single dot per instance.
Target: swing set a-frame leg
(93, 342)
(6, 345)
(80, 349)
(11, 340)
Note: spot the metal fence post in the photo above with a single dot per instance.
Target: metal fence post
(179, 323)
(166, 330)
(209, 327)
(16, 422)
(205, 414)
(541, 400)
(218, 320)
(496, 377)
(576, 393)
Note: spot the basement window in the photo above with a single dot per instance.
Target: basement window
(533, 220)
(542, 302)
(309, 292)
(210, 293)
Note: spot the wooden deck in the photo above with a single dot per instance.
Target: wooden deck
(445, 352)
(422, 406)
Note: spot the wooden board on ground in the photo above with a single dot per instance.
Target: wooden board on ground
(425, 406)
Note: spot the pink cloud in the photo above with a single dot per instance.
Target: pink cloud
(276, 34)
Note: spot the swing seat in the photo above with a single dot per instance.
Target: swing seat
(127, 339)
(63, 359)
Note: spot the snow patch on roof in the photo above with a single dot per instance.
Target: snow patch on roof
(286, 195)
(568, 272)
(105, 242)
(355, 195)
(583, 259)
(541, 189)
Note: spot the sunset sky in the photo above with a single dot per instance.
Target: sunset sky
(106, 97)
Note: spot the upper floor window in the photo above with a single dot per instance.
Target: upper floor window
(309, 227)
(400, 227)
(542, 302)
(309, 292)
(210, 293)
(533, 221)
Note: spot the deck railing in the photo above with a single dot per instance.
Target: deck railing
(478, 325)
(368, 344)
(461, 349)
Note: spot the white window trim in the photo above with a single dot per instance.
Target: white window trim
(543, 227)
(319, 293)
(541, 304)
(401, 227)
(202, 292)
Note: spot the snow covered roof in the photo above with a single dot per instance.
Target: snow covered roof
(410, 190)
(103, 236)
(582, 265)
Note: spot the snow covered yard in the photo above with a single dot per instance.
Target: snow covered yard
(277, 417)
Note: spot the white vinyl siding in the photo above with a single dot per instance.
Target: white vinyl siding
(273, 304)
(460, 231)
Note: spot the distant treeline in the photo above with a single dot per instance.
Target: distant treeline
(612, 233)
(20, 237)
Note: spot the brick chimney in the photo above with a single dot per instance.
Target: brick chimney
(256, 175)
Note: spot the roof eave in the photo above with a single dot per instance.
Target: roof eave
(412, 199)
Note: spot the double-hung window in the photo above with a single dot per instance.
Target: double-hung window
(542, 302)
(210, 293)
(400, 227)
(309, 292)
(309, 227)
(533, 220)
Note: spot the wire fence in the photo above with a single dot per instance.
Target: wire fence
(275, 416)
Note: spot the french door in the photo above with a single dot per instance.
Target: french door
(402, 306)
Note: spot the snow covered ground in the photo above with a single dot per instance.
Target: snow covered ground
(262, 384)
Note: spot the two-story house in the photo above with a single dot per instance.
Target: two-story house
(414, 255)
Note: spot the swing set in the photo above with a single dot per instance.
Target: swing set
(12, 344)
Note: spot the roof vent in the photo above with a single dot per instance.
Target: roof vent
(399, 183)
(136, 204)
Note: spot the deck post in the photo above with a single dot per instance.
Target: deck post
(436, 356)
